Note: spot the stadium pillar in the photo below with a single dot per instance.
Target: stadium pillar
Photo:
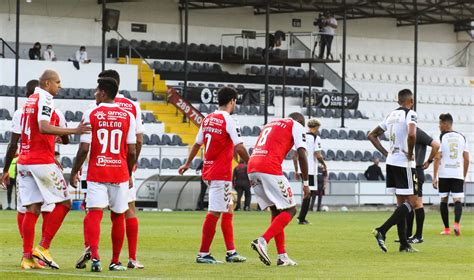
(283, 91)
(186, 30)
(17, 51)
(343, 81)
(310, 76)
(104, 3)
(415, 62)
(267, 56)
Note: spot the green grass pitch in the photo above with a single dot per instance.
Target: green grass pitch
(337, 245)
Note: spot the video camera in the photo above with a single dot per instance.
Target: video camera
(320, 21)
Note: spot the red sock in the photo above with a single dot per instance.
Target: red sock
(118, 234)
(92, 227)
(228, 231)
(277, 226)
(45, 216)
(86, 241)
(280, 241)
(28, 230)
(55, 219)
(208, 231)
(131, 226)
(19, 221)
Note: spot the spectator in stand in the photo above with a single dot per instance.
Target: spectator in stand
(322, 185)
(328, 30)
(374, 172)
(241, 183)
(202, 194)
(80, 57)
(49, 54)
(35, 52)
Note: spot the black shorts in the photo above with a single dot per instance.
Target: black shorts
(451, 185)
(401, 180)
(421, 180)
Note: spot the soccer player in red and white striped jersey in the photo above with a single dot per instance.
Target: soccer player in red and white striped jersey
(40, 179)
(219, 134)
(271, 187)
(111, 160)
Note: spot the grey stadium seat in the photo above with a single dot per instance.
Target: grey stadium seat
(342, 176)
(165, 139)
(332, 176)
(246, 131)
(155, 163)
(351, 176)
(339, 155)
(176, 163)
(144, 163)
(349, 156)
(324, 134)
(330, 155)
(166, 163)
(155, 140)
(367, 156)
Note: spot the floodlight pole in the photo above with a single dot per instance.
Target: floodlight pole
(343, 81)
(103, 33)
(17, 51)
(267, 56)
(186, 27)
(415, 60)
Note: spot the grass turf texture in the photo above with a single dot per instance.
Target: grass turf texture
(335, 245)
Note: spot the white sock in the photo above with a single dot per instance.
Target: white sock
(202, 254)
(283, 256)
(230, 252)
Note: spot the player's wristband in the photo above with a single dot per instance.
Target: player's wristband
(306, 183)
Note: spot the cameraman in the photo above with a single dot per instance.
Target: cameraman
(327, 27)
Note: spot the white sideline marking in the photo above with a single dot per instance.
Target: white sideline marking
(88, 275)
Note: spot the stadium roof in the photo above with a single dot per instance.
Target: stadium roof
(404, 11)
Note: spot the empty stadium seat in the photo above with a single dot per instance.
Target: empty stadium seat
(351, 176)
(166, 163)
(339, 155)
(246, 131)
(176, 163)
(155, 163)
(342, 176)
(144, 163)
(166, 140)
(195, 163)
(332, 176)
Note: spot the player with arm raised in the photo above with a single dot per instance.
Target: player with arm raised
(401, 173)
(40, 179)
(450, 170)
(111, 160)
(271, 187)
(219, 134)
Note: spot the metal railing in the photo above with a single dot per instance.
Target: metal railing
(4, 43)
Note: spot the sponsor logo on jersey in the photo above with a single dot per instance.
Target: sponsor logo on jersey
(46, 111)
(117, 114)
(100, 115)
(104, 161)
(413, 118)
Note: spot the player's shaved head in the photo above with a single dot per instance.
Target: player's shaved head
(110, 73)
(30, 87)
(48, 75)
(404, 96)
(297, 117)
(50, 82)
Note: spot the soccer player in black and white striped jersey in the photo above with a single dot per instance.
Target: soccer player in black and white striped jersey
(450, 170)
(401, 174)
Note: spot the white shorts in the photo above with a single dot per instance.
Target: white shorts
(101, 195)
(41, 183)
(132, 193)
(22, 209)
(272, 190)
(220, 196)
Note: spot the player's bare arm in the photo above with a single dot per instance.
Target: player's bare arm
(192, 154)
(10, 154)
(320, 159)
(139, 144)
(295, 164)
(303, 161)
(46, 128)
(373, 137)
(76, 167)
(465, 155)
(242, 152)
(131, 157)
(434, 150)
(411, 140)
(437, 162)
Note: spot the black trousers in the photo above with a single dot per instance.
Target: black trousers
(10, 188)
(248, 196)
(325, 43)
(202, 194)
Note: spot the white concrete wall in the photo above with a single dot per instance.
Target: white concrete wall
(86, 77)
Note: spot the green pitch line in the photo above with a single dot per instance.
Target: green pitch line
(336, 245)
